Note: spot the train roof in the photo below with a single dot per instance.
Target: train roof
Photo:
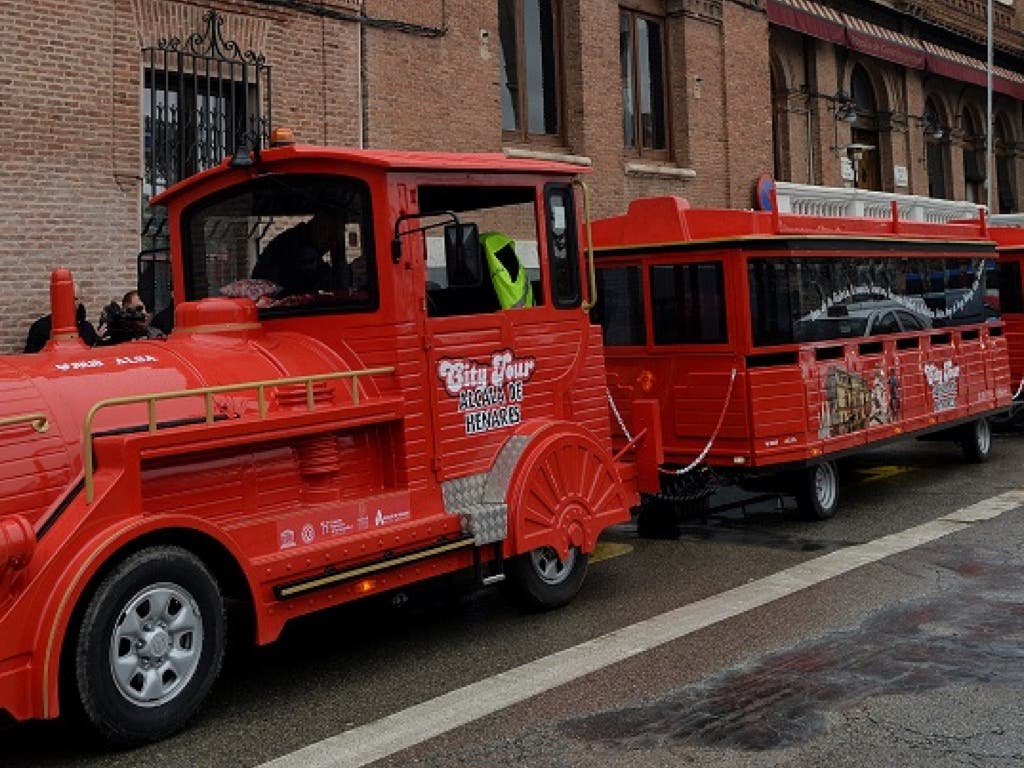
(654, 223)
(490, 163)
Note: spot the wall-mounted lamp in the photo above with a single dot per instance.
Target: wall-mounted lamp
(845, 108)
(932, 127)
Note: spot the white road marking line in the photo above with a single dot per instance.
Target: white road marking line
(374, 741)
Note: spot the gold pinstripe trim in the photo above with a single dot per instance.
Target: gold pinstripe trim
(306, 586)
(60, 610)
(215, 327)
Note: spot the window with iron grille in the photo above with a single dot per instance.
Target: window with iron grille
(203, 99)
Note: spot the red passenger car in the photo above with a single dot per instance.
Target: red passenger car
(343, 408)
(1010, 247)
(771, 345)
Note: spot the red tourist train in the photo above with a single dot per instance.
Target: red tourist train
(360, 415)
(363, 390)
(774, 344)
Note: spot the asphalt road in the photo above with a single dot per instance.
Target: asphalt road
(911, 660)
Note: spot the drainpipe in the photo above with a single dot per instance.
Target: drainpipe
(810, 112)
(361, 102)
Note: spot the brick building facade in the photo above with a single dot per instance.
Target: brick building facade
(689, 97)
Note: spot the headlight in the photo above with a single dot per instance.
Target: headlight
(17, 543)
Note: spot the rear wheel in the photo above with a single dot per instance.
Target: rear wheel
(976, 441)
(817, 493)
(657, 519)
(540, 580)
(150, 645)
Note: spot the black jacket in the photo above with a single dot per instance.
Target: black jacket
(39, 333)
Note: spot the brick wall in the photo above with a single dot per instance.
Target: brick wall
(70, 175)
(64, 199)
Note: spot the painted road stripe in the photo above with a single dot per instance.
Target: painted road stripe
(401, 730)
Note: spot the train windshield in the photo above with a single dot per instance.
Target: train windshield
(295, 245)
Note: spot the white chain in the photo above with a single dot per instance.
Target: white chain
(618, 416)
(707, 448)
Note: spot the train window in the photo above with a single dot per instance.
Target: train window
(885, 322)
(506, 219)
(620, 306)
(818, 298)
(911, 322)
(688, 303)
(295, 246)
(562, 246)
(1010, 298)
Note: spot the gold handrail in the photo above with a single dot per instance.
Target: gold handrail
(40, 421)
(591, 269)
(207, 394)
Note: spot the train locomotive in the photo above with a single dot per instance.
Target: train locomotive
(345, 406)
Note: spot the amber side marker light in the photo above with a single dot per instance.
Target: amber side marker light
(645, 381)
(282, 137)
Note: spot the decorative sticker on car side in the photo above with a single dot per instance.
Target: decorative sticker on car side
(344, 519)
(944, 383)
(489, 393)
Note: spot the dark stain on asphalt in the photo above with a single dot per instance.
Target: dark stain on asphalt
(973, 634)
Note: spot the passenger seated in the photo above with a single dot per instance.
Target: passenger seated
(298, 259)
(508, 276)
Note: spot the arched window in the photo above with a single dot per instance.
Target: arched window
(974, 158)
(864, 135)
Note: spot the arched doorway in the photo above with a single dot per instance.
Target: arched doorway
(1006, 182)
(974, 158)
(781, 169)
(936, 148)
(864, 134)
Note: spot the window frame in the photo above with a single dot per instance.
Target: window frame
(522, 134)
(634, 332)
(684, 313)
(364, 306)
(559, 299)
(638, 149)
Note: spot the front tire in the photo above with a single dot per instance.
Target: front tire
(817, 494)
(976, 441)
(540, 581)
(150, 645)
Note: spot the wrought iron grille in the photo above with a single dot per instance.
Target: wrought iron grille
(203, 98)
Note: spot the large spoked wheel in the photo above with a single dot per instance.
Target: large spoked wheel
(540, 580)
(150, 645)
(976, 441)
(817, 494)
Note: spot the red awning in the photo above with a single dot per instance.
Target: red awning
(810, 18)
(958, 66)
(820, 21)
(881, 43)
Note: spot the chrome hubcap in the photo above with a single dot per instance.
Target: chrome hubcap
(156, 645)
(983, 435)
(825, 485)
(549, 568)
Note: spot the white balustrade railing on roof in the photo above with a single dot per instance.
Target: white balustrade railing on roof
(1006, 219)
(847, 201)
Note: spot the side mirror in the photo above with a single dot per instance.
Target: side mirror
(463, 257)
